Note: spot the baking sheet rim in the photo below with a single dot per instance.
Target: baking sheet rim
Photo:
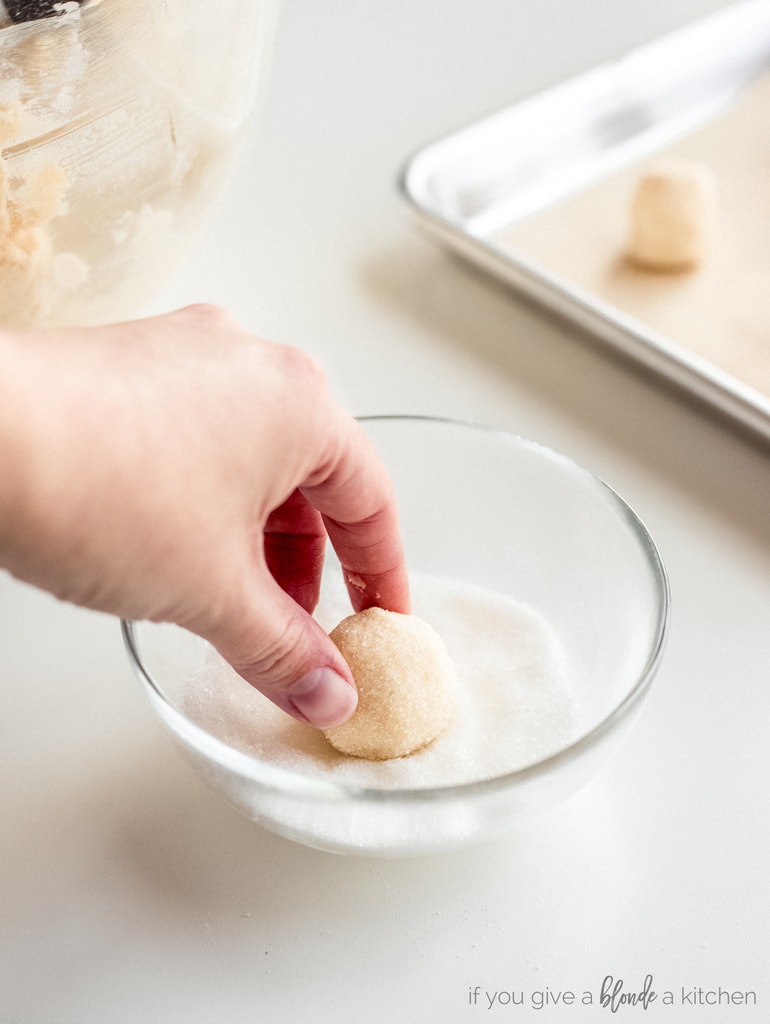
(626, 334)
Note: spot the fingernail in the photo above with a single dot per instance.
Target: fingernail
(323, 698)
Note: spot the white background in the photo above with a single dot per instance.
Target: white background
(129, 892)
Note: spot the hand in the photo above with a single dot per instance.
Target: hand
(179, 469)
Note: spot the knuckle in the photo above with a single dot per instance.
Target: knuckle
(300, 366)
(209, 314)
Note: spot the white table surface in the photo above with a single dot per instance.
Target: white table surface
(129, 892)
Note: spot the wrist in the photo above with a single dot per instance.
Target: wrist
(32, 441)
(14, 444)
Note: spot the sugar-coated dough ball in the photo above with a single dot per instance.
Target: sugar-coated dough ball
(407, 691)
(673, 216)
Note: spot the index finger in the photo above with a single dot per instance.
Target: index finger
(356, 498)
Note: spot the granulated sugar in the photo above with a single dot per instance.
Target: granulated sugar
(515, 700)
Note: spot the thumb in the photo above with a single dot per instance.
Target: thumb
(285, 654)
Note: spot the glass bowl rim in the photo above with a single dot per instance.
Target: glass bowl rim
(288, 782)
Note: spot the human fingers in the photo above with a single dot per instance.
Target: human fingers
(280, 649)
(295, 544)
(356, 498)
(271, 639)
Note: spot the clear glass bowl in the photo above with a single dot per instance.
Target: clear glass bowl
(118, 123)
(492, 509)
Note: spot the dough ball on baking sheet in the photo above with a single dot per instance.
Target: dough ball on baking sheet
(407, 690)
(673, 216)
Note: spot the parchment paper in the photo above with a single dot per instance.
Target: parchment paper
(721, 311)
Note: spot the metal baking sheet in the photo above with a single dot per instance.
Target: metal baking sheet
(473, 188)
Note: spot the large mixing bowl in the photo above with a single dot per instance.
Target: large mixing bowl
(498, 513)
(118, 123)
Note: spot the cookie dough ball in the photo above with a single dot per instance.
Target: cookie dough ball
(673, 216)
(407, 691)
